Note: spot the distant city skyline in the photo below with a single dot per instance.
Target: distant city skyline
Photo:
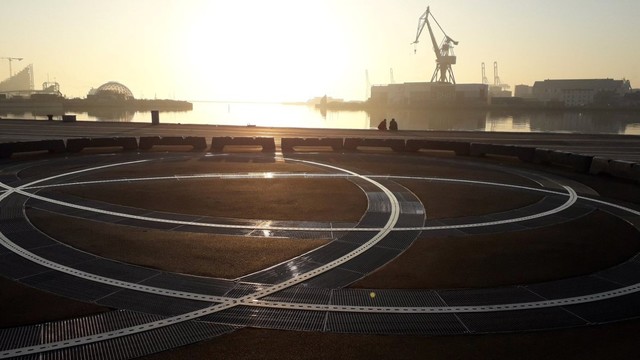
(287, 50)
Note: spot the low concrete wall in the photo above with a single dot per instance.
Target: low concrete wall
(268, 144)
(290, 144)
(52, 146)
(578, 162)
(521, 152)
(459, 147)
(196, 142)
(352, 144)
(599, 165)
(625, 169)
(126, 143)
(618, 168)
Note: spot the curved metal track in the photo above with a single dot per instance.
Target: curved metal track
(311, 298)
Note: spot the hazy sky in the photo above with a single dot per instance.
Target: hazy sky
(296, 49)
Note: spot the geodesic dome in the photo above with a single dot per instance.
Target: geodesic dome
(113, 88)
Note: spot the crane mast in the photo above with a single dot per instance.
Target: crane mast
(444, 52)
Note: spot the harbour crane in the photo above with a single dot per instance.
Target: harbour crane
(496, 78)
(444, 52)
(10, 60)
(484, 76)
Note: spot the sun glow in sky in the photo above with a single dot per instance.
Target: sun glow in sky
(293, 50)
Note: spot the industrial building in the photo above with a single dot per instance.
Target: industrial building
(429, 93)
(578, 92)
(523, 91)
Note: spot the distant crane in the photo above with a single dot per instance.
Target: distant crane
(496, 78)
(444, 52)
(484, 76)
(10, 60)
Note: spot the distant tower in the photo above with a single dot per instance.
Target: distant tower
(391, 79)
(484, 75)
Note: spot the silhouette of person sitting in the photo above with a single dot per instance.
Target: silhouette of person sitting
(383, 125)
(393, 125)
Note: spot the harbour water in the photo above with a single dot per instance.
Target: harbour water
(282, 115)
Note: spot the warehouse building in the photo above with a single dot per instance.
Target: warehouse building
(579, 92)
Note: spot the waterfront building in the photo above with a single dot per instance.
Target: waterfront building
(111, 91)
(579, 92)
(523, 91)
(499, 91)
(20, 87)
(21, 82)
(417, 94)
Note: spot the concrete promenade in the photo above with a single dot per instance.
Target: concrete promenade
(614, 147)
(501, 226)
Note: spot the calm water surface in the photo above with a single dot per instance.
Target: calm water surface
(280, 115)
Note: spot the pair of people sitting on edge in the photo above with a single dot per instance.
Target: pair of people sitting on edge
(393, 125)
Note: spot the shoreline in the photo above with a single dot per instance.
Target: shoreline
(286, 115)
(514, 107)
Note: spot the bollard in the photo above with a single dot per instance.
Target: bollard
(155, 117)
(50, 117)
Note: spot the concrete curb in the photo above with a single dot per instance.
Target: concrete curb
(352, 144)
(267, 143)
(523, 153)
(126, 143)
(196, 142)
(52, 146)
(290, 144)
(578, 162)
(459, 147)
